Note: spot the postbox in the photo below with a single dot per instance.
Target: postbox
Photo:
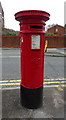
(32, 41)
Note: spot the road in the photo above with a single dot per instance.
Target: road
(54, 91)
(53, 66)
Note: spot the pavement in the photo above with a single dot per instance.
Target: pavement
(54, 100)
(53, 105)
(56, 52)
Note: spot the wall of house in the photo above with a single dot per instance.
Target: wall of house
(1, 16)
(57, 27)
(14, 41)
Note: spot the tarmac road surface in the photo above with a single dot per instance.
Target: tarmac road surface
(53, 67)
(54, 97)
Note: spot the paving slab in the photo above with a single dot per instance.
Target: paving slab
(53, 105)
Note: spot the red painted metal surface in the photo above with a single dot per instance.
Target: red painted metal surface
(32, 26)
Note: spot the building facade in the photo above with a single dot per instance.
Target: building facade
(65, 29)
(1, 17)
(57, 30)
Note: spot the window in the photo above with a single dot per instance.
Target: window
(56, 30)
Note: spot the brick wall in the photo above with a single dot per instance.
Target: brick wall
(11, 41)
(56, 41)
(14, 41)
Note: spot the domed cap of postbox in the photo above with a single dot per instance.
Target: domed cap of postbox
(32, 14)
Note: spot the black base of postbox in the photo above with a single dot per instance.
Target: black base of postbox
(31, 98)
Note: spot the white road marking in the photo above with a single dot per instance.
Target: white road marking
(63, 53)
(9, 56)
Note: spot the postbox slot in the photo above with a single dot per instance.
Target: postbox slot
(35, 27)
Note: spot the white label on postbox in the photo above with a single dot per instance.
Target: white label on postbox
(22, 39)
(35, 44)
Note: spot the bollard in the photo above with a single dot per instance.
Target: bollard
(32, 32)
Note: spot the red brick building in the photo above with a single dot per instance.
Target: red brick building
(57, 29)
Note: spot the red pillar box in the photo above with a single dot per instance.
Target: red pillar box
(32, 31)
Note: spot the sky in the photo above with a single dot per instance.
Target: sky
(54, 7)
